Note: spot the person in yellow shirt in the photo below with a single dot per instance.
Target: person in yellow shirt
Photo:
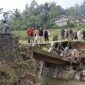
(36, 33)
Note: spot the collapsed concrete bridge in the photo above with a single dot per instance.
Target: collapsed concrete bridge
(65, 60)
(58, 48)
(45, 56)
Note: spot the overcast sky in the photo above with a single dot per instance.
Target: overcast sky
(20, 4)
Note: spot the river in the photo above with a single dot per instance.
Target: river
(49, 81)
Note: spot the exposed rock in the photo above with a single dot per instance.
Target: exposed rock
(67, 75)
(25, 52)
(77, 76)
(82, 75)
(59, 72)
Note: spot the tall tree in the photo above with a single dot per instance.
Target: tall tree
(82, 9)
(33, 7)
(60, 10)
(46, 7)
(53, 10)
(26, 7)
(71, 11)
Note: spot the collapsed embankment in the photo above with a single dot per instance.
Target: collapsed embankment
(14, 68)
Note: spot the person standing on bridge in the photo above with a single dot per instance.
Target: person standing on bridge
(83, 35)
(69, 34)
(36, 34)
(30, 34)
(41, 35)
(62, 34)
(46, 36)
(75, 35)
(78, 35)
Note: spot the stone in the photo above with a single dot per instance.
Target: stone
(77, 76)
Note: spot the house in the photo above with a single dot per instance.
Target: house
(62, 21)
(81, 19)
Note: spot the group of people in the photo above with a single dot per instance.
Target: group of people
(42, 35)
(37, 35)
(73, 34)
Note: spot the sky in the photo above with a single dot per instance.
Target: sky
(20, 4)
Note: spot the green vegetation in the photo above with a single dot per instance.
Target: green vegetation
(37, 16)
(22, 35)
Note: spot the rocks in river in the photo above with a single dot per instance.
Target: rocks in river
(66, 75)
(60, 73)
(82, 75)
(77, 76)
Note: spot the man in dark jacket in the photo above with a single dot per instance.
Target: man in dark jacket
(62, 34)
(83, 34)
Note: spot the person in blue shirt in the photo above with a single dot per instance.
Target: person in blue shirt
(62, 34)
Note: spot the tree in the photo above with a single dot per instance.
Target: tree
(26, 7)
(77, 8)
(33, 7)
(71, 11)
(60, 11)
(43, 15)
(82, 9)
(53, 10)
(71, 22)
(46, 7)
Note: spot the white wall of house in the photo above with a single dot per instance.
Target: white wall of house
(62, 22)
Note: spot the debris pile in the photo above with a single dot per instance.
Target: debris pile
(73, 53)
(83, 75)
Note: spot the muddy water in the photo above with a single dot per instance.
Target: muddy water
(49, 81)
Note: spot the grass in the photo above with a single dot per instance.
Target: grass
(22, 35)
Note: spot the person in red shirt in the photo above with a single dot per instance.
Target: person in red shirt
(30, 34)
